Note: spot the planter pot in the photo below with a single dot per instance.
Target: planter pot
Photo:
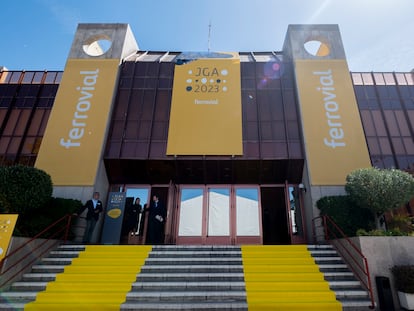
(406, 300)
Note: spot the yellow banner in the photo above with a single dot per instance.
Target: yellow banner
(75, 135)
(7, 223)
(333, 134)
(206, 117)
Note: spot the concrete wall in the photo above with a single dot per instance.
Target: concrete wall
(310, 197)
(382, 254)
(24, 258)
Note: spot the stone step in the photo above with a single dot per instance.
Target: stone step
(339, 276)
(334, 268)
(48, 269)
(55, 261)
(196, 248)
(233, 306)
(71, 247)
(320, 247)
(38, 277)
(192, 269)
(346, 294)
(356, 304)
(12, 306)
(333, 259)
(196, 261)
(191, 286)
(17, 297)
(190, 277)
(194, 254)
(338, 285)
(65, 254)
(187, 296)
(28, 286)
(323, 253)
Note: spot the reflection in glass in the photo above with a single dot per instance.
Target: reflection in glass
(141, 193)
(191, 211)
(295, 211)
(132, 194)
(218, 212)
(247, 212)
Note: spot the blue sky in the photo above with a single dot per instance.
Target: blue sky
(377, 34)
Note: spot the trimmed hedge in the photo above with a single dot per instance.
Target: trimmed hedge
(31, 224)
(23, 189)
(346, 214)
(27, 191)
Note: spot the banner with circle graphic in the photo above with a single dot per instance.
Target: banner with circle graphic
(7, 223)
(206, 116)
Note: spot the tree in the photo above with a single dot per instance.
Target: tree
(380, 190)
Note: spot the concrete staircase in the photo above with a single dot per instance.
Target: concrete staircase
(348, 289)
(186, 278)
(189, 278)
(45, 271)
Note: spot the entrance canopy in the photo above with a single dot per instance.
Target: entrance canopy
(204, 171)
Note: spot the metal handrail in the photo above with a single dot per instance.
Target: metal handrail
(346, 246)
(60, 235)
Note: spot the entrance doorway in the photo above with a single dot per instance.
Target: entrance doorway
(274, 217)
(225, 214)
(219, 215)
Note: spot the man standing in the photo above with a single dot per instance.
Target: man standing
(94, 207)
(156, 221)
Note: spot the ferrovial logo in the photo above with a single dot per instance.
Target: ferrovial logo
(331, 106)
(83, 105)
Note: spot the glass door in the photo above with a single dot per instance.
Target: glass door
(218, 229)
(219, 215)
(190, 224)
(134, 217)
(296, 220)
(248, 224)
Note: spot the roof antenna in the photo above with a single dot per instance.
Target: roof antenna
(209, 35)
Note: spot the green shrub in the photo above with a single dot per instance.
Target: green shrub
(24, 189)
(400, 223)
(4, 204)
(404, 278)
(346, 214)
(379, 232)
(56, 208)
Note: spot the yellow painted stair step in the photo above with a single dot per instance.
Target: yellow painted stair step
(87, 286)
(82, 284)
(99, 269)
(79, 296)
(74, 306)
(84, 261)
(109, 277)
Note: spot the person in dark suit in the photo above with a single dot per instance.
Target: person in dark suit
(94, 207)
(156, 220)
